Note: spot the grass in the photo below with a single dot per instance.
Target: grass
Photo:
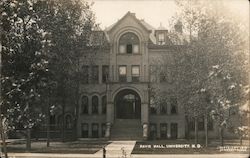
(92, 146)
(75, 147)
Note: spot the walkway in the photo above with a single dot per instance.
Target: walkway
(118, 149)
(34, 155)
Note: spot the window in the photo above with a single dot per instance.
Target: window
(129, 43)
(201, 124)
(103, 129)
(95, 74)
(129, 48)
(52, 119)
(105, 73)
(85, 105)
(122, 49)
(122, 73)
(136, 48)
(94, 105)
(68, 120)
(85, 130)
(210, 125)
(104, 104)
(85, 74)
(52, 122)
(169, 73)
(161, 38)
(95, 130)
(135, 73)
(173, 104)
(173, 130)
(162, 77)
(152, 105)
(152, 131)
(163, 73)
(153, 73)
(192, 124)
(60, 120)
(163, 130)
(163, 107)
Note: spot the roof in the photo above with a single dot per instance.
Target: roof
(174, 38)
(161, 27)
(147, 25)
(141, 22)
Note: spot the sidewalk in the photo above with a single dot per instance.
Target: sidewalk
(35, 155)
(118, 149)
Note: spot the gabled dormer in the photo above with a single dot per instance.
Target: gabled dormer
(161, 34)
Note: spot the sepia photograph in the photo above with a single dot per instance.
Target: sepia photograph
(124, 79)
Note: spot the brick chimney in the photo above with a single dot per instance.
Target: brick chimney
(178, 26)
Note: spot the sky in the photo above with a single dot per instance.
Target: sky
(154, 12)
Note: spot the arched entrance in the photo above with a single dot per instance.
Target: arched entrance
(127, 105)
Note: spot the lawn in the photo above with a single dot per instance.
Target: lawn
(76, 147)
(141, 147)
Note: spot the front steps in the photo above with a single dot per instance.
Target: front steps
(126, 129)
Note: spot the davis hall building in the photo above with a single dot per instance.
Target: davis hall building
(116, 85)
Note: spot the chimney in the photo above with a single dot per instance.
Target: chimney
(178, 26)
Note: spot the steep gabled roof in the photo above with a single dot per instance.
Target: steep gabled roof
(140, 22)
(147, 25)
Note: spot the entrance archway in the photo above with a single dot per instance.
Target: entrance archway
(127, 105)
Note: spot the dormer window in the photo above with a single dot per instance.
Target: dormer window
(129, 44)
(161, 38)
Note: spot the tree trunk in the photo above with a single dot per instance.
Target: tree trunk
(77, 99)
(2, 129)
(240, 139)
(63, 121)
(4, 145)
(196, 130)
(241, 132)
(48, 126)
(187, 128)
(206, 129)
(28, 139)
(221, 136)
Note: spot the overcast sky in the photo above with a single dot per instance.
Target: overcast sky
(152, 11)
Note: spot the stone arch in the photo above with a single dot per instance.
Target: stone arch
(125, 30)
(134, 30)
(127, 87)
(127, 104)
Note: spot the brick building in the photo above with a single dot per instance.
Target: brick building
(116, 83)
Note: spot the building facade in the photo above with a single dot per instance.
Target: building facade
(117, 83)
(115, 100)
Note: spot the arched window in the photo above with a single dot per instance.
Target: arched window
(129, 43)
(85, 105)
(173, 104)
(94, 104)
(68, 120)
(163, 107)
(104, 104)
